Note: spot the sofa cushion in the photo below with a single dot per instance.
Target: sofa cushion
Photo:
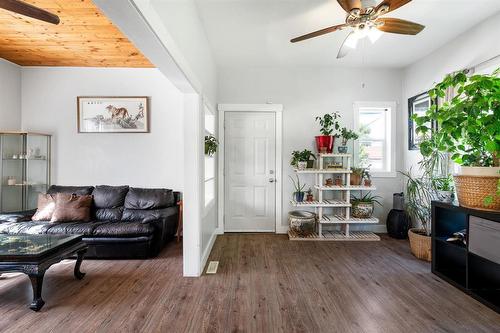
(28, 227)
(78, 190)
(120, 229)
(109, 214)
(71, 207)
(45, 208)
(109, 196)
(142, 215)
(71, 228)
(148, 198)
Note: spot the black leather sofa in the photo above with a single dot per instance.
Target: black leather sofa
(126, 222)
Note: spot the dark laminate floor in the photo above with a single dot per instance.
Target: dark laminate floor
(265, 283)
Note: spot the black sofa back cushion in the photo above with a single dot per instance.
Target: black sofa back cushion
(149, 198)
(78, 190)
(142, 214)
(109, 196)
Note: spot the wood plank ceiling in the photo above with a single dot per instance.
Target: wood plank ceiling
(85, 37)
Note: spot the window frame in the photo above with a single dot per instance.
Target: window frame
(390, 148)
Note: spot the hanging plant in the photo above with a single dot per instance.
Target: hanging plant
(211, 145)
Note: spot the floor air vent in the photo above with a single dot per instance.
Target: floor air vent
(212, 267)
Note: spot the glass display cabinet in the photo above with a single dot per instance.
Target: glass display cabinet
(24, 169)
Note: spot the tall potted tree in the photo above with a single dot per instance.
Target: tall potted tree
(329, 125)
(468, 128)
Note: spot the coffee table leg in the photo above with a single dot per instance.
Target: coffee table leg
(36, 283)
(79, 275)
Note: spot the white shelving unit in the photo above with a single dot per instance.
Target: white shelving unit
(339, 210)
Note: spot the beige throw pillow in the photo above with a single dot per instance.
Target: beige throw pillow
(72, 207)
(45, 208)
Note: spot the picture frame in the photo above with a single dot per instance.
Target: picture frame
(113, 114)
(418, 104)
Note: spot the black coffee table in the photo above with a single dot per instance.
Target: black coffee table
(34, 254)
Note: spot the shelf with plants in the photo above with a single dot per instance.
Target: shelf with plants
(333, 176)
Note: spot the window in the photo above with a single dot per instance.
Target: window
(375, 122)
(209, 160)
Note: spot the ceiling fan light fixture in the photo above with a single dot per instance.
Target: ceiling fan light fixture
(374, 34)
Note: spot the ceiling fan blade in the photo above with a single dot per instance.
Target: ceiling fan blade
(349, 44)
(348, 5)
(392, 4)
(398, 26)
(318, 33)
(26, 9)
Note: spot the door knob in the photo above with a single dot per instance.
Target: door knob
(272, 180)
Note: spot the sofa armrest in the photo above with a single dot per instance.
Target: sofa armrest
(17, 216)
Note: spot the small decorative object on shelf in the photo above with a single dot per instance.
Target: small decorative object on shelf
(211, 145)
(346, 135)
(329, 124)
(310, 196)
(334, 165)
(329, 182)
(338, 181)
(302, 159)
(299, 189)
(356, 175)
(363, 206)
(367, 180)
(459, 237)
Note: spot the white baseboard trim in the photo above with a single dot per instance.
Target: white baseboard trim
(207, 251)
(283, 229)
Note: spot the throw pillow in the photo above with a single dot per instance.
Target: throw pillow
(45, 208)
(72, 207)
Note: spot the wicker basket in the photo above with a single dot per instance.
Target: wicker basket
(420, 244)
(472, 190)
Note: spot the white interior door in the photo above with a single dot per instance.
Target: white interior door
(250, 170)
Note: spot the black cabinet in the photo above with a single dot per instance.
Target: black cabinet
(474, 267)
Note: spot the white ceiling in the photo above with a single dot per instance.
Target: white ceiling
(257, 32)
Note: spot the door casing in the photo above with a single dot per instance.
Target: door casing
(278, 110)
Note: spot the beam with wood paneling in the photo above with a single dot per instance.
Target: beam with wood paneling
(85, 37)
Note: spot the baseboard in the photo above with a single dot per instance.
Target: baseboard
(207, 251)
(282, 229)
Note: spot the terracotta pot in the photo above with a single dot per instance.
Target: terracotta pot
(326, 142)
(355, 179)
(368, 182)
(420, 244)
(310, 198)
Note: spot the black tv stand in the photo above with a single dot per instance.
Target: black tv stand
(460, 265)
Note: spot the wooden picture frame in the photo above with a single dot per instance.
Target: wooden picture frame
(113, 114)
(418, 104)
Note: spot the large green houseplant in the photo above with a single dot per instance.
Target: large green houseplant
(468, 129)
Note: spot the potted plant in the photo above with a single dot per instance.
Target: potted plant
(211, 145)
(367, 180)
(310, 196)
(329, 123)
(467, 129)
(346, 135)
(418, 197)
(302, 159)
(356, 175)
(363, 206)
(443, 187)
(298, 189)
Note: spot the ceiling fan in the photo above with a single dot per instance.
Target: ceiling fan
(26, 9)
(367, 22)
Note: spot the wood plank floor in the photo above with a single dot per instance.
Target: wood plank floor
(265, 283)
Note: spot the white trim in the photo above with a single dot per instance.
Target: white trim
(207, 251)
(277, 109)
(379, 104)
(251, 230)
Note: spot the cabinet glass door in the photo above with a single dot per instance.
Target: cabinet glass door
(37, 168)
(12, 171)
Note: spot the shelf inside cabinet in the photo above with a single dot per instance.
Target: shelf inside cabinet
(324, 203)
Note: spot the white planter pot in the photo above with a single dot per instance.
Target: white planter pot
(301, 165)
(445, 196)
(478, 171)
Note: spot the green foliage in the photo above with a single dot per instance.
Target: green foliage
(367, 198)
(301, 156)
(298, 187)
(329, 123)
(347, 135)
(358, 171)
(211, 145)
(443, 183)
(468, 125)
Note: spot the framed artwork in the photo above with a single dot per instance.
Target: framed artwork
(418, 105)
(113, 114)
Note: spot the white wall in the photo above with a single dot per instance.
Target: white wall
(472, 47)
(308, 92)
(152, 159)
(10, 96)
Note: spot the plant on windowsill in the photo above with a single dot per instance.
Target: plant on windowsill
(468, 130)
(418, 196)
(298, 193)
(329, 125)
(211, 145)
(346, 135)
(363, 206)
(302, 159)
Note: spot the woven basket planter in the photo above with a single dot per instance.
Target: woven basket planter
(420, 244)
(472, 190)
